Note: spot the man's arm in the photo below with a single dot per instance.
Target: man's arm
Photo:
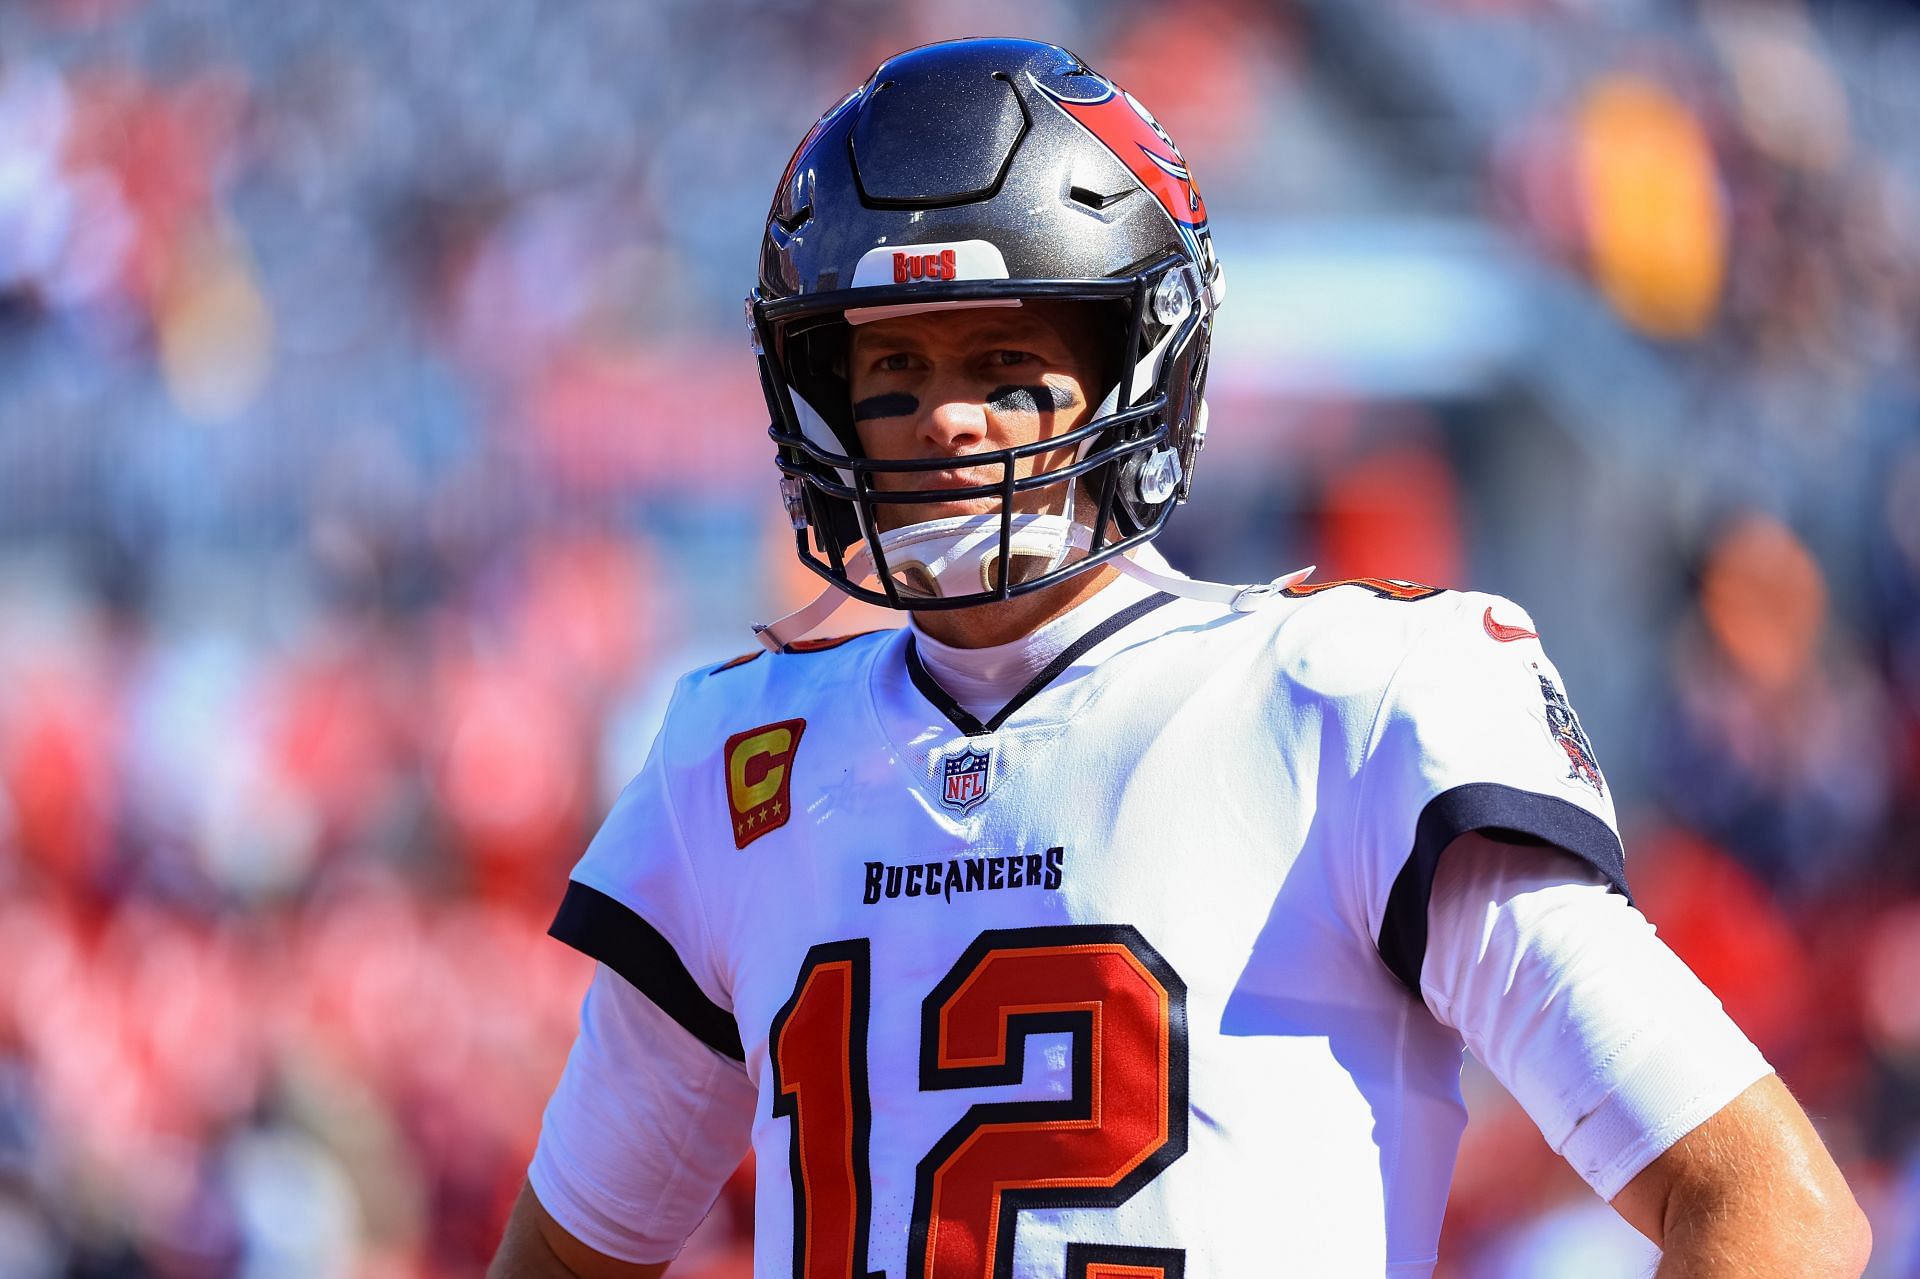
(1749, 1194)
(536, 1246)
(1616, 1050)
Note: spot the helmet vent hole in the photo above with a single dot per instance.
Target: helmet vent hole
(1095, 199)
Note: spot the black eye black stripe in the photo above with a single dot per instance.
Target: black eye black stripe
(890, 404)
(1030, 399)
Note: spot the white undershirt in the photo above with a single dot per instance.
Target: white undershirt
(1562, 989)
(983, 680)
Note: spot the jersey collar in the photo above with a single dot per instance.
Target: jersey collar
(968, 723)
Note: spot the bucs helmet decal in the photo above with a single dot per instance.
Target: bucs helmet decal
(1129, 130)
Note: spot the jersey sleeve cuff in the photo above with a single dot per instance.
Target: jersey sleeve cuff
(1672, 1091)
(1504, 812)
(612, 932)
(591, 1226)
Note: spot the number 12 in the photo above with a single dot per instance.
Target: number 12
(1102, 984)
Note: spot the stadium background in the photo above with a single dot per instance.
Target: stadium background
(378, 437)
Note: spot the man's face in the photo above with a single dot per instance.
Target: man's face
(960, 383)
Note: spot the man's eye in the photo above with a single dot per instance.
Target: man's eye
(898, 362)
(1004, 358)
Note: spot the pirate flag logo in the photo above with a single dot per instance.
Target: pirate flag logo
(1584, 766)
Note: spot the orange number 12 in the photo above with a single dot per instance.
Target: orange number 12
(1124, 1009)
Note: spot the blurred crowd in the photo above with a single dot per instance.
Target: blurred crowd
(378, 439)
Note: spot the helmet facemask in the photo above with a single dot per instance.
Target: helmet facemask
(1128, 461)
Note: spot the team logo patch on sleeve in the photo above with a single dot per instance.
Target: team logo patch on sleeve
(1584, 766)
(759, 765)
(965, 778)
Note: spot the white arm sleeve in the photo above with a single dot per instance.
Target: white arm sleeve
(1606, 1039)
(643, 1129)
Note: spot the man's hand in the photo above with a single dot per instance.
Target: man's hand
(1750, 1194)
(538, 1247)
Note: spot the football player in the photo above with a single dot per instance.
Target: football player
(1100, 922)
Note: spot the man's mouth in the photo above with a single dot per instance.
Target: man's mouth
(935, 481)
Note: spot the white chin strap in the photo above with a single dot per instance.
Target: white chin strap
(940, 559)
(960, 555)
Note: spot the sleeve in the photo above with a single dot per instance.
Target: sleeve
(642, 1131)
(1474, 731)
(634, 904)
(1562, 989)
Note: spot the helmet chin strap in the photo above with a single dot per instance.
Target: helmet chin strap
(961, 555)
(958, 555)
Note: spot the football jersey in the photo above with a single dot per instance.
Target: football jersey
(1121, 982)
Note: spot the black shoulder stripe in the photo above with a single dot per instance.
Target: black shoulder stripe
(608, 930)
(1503, 812)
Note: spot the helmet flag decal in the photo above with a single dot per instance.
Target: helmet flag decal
(1129, 131)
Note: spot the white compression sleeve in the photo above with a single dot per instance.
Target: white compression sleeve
(643, 1129)
(1606, 1039)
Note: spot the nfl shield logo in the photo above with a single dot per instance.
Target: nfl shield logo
(966, 779)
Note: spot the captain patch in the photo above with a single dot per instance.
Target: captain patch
(759, 765)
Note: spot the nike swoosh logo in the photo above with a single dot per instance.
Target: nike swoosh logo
(1502, 632)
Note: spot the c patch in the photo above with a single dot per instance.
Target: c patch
(759, 766)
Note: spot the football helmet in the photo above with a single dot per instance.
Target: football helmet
(985, 172)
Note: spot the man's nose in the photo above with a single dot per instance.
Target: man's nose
(955, 424)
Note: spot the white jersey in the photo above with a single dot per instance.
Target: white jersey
(1123, 982)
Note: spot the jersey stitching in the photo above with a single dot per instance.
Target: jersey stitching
(693, 876)
(941, 700)
(1115, 625)
(1093, 678)
(1390, 1190)
(890, 636)
(1098, 689)
(591, 1223)
(651, 1203)
(681, 1164)
(1362, 913)
(1574, 1097)
(971, 725)
(1683, 1116)
(873, 697)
